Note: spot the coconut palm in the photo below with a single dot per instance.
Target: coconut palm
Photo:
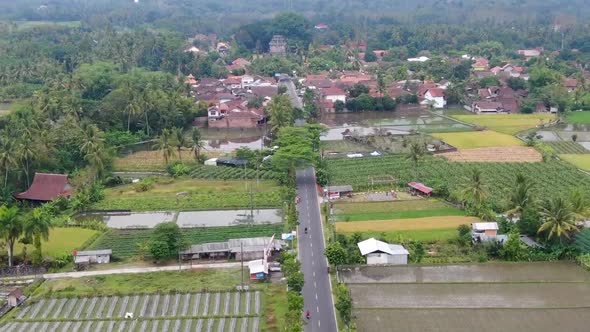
(415, 153)
(474, 189)
(580, 204)
(7, 161)
(165, 144)
(11, 228)
(197, 143)
(179, 140)
(37, 226)
(26, 153)
(559, 220)
(521, 196)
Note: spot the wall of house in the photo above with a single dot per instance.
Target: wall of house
(490, 232)
(229, 122)
(333, 99)
(397, 259)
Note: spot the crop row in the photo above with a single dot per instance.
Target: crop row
(553, 177)
(154, 306)
(247, 324)
(228, 173)
(567, 148)
(124, 242)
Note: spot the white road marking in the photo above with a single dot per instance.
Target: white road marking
(312, 254)
(314, 273)
(311, 245)
(316, 296)
(319, 323)
(314, 284)
(317, 309)
(312, 262)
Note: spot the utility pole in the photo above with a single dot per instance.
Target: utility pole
(242, 261)
(179, 260)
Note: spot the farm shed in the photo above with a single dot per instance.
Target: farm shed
(253, 248)
(211, 162)
(486, 231)
(258, 269)
(379, 252)
(15, 297)
(214, 250)
(338, 191)
(46, 188)
(417, 188)
(232, 162)
(93, 256)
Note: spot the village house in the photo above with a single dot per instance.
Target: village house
(481, 64)
(232, 82)
(417, 188)
(46, 188)
(321, 26)
(192, 49)
(378, 252)
(435, 97)
(529, 54)
(570, 84)
(419, 59)
(486, 107)
(333, 94)
(234, 115)
(191, 81)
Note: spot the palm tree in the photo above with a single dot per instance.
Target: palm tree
(521, 197)
(26, 153)
(165, 145)
(580, 204)
(11, 228)
(132, 108)
(416, 153)
(197, 143)
(179, 140)
(474, 189)
(92, 140)
(37, 227)
(558, 217)
(7, 160)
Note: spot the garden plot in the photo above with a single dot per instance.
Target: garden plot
(514, 296)
(513, 154)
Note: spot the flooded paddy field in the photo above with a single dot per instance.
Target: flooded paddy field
(540, 296)
(476, 319)
(188, 219)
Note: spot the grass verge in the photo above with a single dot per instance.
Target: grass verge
(428, 236)
(274, 307)
(154, 282)
(578, 117)
(443, 222)
(61, 241)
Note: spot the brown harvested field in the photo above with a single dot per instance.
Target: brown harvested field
(539, 297)
(469, 320)
(404, 224)
(508, 154)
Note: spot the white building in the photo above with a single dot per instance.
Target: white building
(486, 231)
(93, 256)
(379, 252)
(334, 94)
(435, 97)
(420, 59)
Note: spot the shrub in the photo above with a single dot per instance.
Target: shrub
(144, 185)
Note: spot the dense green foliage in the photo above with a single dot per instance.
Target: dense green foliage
(446, 177)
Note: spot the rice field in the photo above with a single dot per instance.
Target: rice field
(509, 154)
(540, 297)
(567, 148)
(428, 223)
(478, 139)
(209, 311)
(507, 123)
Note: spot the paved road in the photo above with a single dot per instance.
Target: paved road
(292, 92)
(317, 291)
(185, 266)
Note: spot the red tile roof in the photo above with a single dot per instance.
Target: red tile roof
(436, 92)
(420, 187)
(333, 91)
(570, 83)
(47, 187)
